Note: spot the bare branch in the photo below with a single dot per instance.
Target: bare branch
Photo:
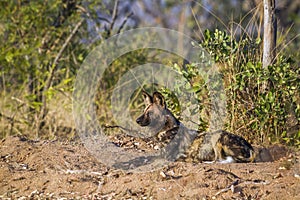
(103, 19)
(124, 22)
(120, 127)
(65, 45)
(114, 17)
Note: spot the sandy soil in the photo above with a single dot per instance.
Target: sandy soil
(53, 169)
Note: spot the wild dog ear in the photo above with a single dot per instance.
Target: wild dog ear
(147, 98)
(159, 99)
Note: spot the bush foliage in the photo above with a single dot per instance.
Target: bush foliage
(262, 103)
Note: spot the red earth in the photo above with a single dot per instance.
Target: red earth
(54, 169)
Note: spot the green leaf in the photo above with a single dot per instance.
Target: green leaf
(9, 57)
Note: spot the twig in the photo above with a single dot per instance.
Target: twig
(70, 171)
(18, 100)
(117, 126)
(58, 56)
(103, 19)
(244, 126)
(65, 45)
(64, 93)
(213, 14)
(229, 187)
(223, 190)
(239, 181)
(114, 17)
(124, 22)
(256, 182)
(197, 22)
(6, 117)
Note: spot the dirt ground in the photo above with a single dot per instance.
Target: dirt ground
(53, 169)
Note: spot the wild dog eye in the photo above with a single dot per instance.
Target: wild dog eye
(150, 113)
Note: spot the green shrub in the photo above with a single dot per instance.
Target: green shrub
(263, 104)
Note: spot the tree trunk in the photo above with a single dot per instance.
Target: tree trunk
(270, 29)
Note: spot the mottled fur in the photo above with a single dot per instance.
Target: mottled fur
(192, 146)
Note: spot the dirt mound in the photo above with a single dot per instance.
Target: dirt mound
(54, 169)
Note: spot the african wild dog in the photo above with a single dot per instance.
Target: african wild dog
(208, 146)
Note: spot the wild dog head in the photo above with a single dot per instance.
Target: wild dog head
(156, 115)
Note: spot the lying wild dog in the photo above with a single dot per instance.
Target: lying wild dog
(208, 146)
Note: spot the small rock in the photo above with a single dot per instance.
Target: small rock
(162, 174)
